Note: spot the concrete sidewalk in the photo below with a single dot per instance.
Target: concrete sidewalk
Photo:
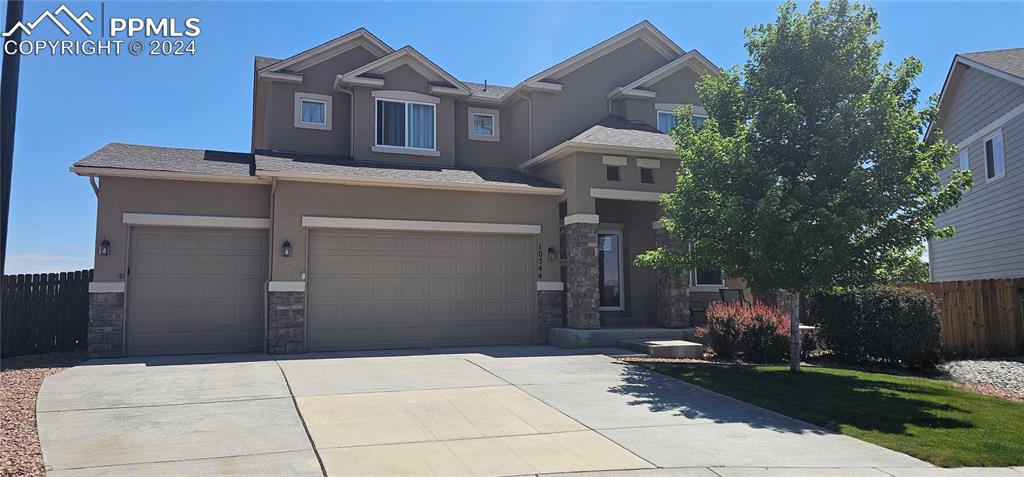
(526, 410)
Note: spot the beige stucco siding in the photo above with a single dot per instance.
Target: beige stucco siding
(278, 121)
(580, 172)
(294, 200)
(119, 195)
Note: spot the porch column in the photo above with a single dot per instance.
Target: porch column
(581, 281)
(673, 289)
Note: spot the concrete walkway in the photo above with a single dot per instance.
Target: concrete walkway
(474, 411)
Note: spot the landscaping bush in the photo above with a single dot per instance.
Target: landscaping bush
(759, 332)
(723, 329)
(883, 324)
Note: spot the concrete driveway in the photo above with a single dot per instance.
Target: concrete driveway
(479, 411)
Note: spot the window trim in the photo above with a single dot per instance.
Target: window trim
(313, 98)
(496, 121)
(406, 149)
(1002, 153)
(705, 286)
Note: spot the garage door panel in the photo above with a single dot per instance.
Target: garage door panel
(195, 291)
(408, 289)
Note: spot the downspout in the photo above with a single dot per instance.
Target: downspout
(270, 267)
(351, 121)
(95, 186)
(529, 101)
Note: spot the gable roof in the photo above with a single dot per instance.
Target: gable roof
(1007, 64)
(613, 134)
(693, 60)
(406, 55)
(359, 37)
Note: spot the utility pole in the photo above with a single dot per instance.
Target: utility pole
(8, 114)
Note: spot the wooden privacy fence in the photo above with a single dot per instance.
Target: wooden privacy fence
(41, 313)
(980, 317)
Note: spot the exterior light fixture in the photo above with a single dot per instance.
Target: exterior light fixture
(105, 247)
(286, 249)
(552, 256)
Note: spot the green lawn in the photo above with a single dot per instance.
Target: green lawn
(925, 418)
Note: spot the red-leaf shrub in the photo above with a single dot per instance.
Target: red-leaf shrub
(723, 329)
(760, 332)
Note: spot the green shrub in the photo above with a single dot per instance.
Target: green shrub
(882, 324)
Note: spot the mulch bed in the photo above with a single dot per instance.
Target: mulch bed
(20, 379)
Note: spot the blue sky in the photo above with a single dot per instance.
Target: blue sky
(71, 106)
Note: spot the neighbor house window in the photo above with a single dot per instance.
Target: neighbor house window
(612, 173)
(312, 111)
(705, 277)
(647, 176)
(965, 161)
(405, 124)
(483, 124)
(995, 165)
(667, 121)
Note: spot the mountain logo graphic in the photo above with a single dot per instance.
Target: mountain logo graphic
(53, 17)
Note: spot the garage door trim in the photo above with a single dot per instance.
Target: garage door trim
(418, 225)
(214, 221)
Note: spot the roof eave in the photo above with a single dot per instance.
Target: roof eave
(564, 149)
(86, 171)
(409, 183)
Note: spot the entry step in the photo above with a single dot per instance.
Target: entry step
(665, 348)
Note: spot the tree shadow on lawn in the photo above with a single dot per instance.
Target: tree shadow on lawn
(828, 400)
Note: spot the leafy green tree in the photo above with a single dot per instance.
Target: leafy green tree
(905, 268)
(812, 169)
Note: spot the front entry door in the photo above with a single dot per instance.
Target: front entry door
(610, 276)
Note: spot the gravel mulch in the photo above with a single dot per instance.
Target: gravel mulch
(20, 379)
(1002, 377)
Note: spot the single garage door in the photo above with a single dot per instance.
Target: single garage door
(383, 289)
(195, 290)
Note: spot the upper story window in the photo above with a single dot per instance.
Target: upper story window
(483, 124)
(995, 164)
(965, 161)
(312, 111)
(667, 120)
(612, 173)
(646, 176)
(406, 124)
(613, 167)
(647, 168)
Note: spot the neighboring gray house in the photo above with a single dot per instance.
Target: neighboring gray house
(981, 111)
(387, 204)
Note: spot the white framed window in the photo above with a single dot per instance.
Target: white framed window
(484, 124)
(707, 277)
(995, 163)
(313, 111)
(965, 161)
(405, 125)
(667, 120)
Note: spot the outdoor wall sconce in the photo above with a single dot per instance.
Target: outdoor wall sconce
(286, 249)
(552, 256)
(105, 247)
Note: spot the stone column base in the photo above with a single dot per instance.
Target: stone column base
(582, 297)
(106, 325)
(286, 322)
(673, 289)
(550, 304)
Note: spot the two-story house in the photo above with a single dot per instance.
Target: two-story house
(387, 204)
(981, 111)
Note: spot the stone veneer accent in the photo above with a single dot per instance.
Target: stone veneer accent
(550, 309)
(673, 291)
(581, 284)
(106, 325)
(286, 322)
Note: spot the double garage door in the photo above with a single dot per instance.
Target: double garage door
(383, 289)
(197, 290)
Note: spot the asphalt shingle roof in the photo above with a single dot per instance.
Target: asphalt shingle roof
(1010, 61)
(169, 159)
(315, 164)
(220, 163)
(617, 131)
(493, 90)
(265, 61)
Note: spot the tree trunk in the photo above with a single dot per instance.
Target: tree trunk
(794, 334)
